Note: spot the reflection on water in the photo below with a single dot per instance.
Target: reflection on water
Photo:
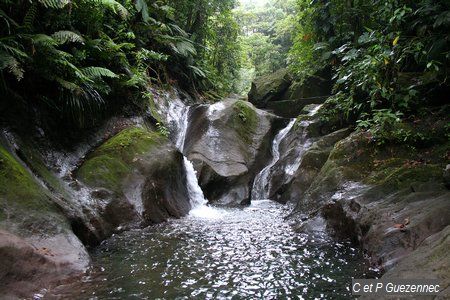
(218, 254)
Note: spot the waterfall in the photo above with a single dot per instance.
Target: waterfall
(289, 162)
(261, 184)
(178, 117)
(196, 196)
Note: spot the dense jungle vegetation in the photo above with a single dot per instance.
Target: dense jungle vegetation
(72, 60)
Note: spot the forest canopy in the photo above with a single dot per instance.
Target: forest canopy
(74, 58)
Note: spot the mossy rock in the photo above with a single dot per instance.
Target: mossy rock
(244, 120)
(269, 88)
(26, 205)
(107, 166)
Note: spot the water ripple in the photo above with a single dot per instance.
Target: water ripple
(236, 254)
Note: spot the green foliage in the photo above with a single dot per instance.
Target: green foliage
(265, 37)
(75, 59)
(389, 58)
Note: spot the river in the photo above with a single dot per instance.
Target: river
(221, 253)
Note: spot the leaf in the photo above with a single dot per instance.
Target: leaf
(141, 6)
(199, 72)
(395, 41)
(65, 36)
(10, 63)
(96, 72)
(54, 3)
(115, 6)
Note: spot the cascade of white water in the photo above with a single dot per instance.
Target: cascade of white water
(261, 183)
(178, 116)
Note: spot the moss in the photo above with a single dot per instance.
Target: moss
(31, 156)
(404, 175)
(18, 188)
(112, 161)
(244, 120)
(25, 206)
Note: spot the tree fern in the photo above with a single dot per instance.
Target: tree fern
(43, 40)
(30, 16)
(197, 71)
(184, 47)
(7, 20)
(65, 36)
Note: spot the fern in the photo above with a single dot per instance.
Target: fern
(65, 36)
(197, 71)
(8, 21)
(184, 47)
(11, 64)
(97, 72)
(54, 3)
(43, 40)
(29, 18)
(115, 6)
(13, 50)
(73, 87)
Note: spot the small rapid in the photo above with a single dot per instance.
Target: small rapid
(261, 184)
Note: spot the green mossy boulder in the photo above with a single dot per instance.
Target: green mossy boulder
(37, 246)
(143, 172)
(269, 88)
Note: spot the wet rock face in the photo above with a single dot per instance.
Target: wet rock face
(37, 244)
(228, 143)
(134, 177)
(29, 267)
(312, 160)
(386, 199)
(429, 261)
(144, 174)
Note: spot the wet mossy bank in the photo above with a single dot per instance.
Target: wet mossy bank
(48, 217)
(392, 199)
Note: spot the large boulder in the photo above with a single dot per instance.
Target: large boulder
(318, 85)
(37, 245)
(228, 143)
(143, 176)
(312, 159)
(269, 88)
